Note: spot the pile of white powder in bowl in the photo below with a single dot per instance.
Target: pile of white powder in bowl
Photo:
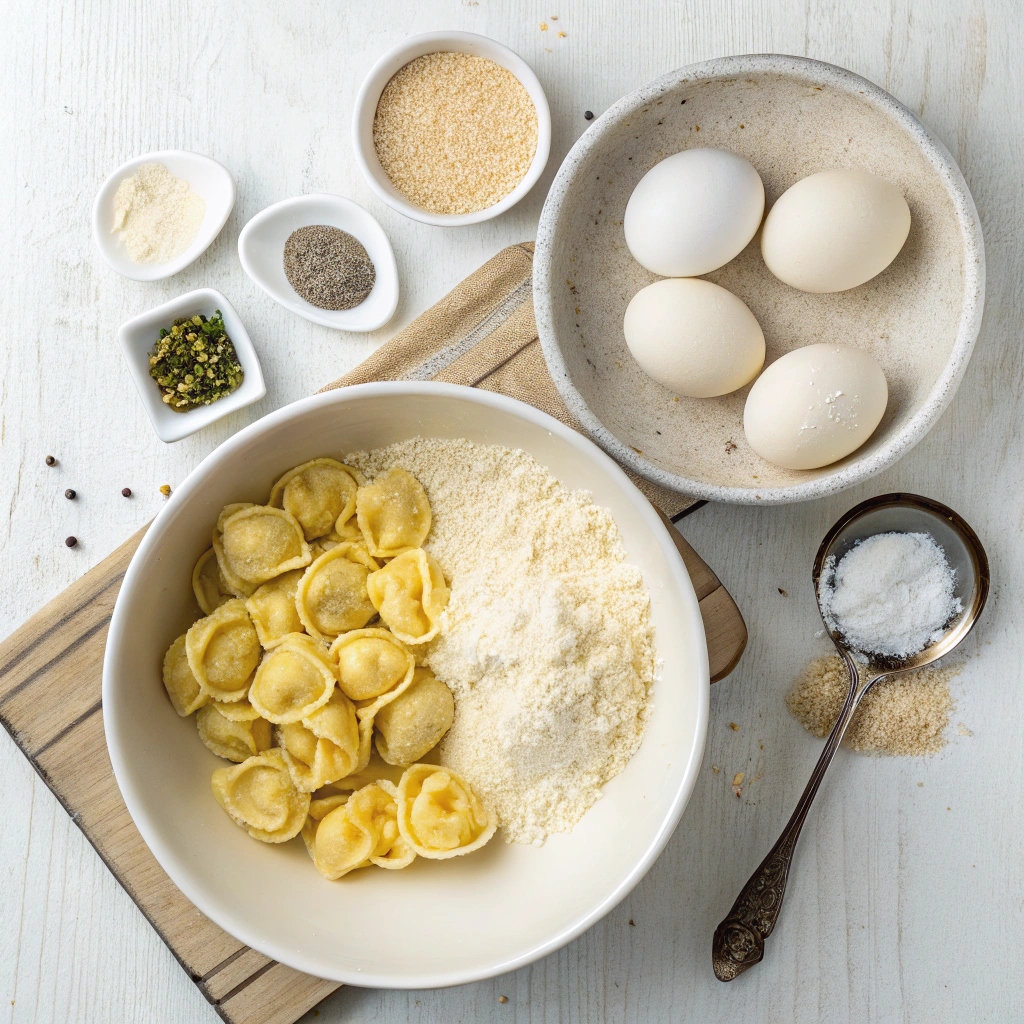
(156, 215)
(546, 642)
(890, 594)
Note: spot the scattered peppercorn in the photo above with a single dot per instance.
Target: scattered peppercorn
(632, 923)
(165, 490)
(195, 363)
(70, 494)
(126, 492)
(71, 541)
(588, 115)
(51, 461)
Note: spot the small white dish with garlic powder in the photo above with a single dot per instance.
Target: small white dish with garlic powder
(207, 178)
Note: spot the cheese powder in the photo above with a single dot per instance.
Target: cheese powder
(156, 215)
(546, 642)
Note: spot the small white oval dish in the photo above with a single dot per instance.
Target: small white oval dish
(137, 338)
(394, 60)
(261, 250)
(210, 180)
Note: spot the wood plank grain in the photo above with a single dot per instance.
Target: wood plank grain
(278, 995)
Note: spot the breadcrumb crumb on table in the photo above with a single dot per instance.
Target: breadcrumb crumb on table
(905, 716)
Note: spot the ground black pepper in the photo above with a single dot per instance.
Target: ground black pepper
(328, 267)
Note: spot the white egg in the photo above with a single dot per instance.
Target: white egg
(693, 212)
(815, 405)
(694, 337)
(835, 230)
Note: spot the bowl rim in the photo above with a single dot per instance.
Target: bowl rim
(386, 268)
(156, 271)
(386, 66)
(941, 393)
(175, 426)
(115, 725)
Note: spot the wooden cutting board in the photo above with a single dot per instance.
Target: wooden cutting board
(482, 334)
(50, 676)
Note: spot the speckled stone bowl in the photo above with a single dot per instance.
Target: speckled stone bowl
(790, 117)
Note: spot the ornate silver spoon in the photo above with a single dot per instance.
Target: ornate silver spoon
(739, 940)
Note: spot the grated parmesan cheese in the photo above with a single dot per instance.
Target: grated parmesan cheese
(546, 642)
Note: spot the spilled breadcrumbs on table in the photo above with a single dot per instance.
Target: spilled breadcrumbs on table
(905, 716)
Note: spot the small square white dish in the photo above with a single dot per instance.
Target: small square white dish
(210, 180)
(261, 250)
(137, 338)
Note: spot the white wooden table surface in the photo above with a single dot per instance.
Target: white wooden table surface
(906, 900)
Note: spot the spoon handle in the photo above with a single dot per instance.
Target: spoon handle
(739, 940)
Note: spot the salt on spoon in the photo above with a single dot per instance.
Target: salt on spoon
(900, 581)
(890, 594)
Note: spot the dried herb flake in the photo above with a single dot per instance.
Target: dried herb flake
(195, 363)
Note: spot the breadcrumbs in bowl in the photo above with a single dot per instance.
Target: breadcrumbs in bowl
(451, 128)
(455, 133)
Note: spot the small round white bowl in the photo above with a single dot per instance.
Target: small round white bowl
(789, 117)
(210, 180)
(261, 250)
(438, 922)
(384, 70)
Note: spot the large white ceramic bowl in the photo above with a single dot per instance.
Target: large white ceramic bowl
(790, 117)
(436, 923)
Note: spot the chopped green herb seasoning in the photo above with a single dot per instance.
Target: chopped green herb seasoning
(195, 363)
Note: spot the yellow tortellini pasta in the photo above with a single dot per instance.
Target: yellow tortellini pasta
(375, 810)
(223, 650)
(410, 593)
(362, 831)
(257, 543)
(332, 596)
(414, 722)
(376, 769)
(393, 513)
(272, 608)
(439, 816)
(371, 662)
(294, 679)
(347, 534)
(185, 693)
(259, 796)
(208, 583)
(319, 736)
(324, 746)
(319, 494)
(230, 736)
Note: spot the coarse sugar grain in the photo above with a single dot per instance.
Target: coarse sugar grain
(904, 716)
(455, 133)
